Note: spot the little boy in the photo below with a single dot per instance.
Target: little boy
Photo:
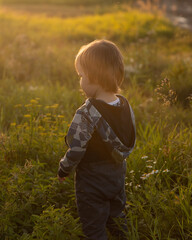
(100, 138)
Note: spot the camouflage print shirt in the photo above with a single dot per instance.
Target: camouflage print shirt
(86, 120)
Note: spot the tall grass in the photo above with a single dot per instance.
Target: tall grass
(158, 171)
(37, 47)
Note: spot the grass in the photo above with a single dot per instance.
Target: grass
(39, 94)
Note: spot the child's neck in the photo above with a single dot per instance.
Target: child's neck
(106, 96)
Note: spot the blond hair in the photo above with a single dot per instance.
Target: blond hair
(102, 63)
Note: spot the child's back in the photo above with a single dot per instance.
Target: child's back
(114, 131)
(100, 138)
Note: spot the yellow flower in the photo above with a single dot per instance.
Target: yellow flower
(13, 124)
(60, 116)
(47, 118)
(40, 128)
(33, 101)
(54, 105)
(28, 105)
(27, 115)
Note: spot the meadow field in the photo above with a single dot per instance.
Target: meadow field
(39, 94)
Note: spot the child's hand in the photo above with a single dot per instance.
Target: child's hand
(61, 179)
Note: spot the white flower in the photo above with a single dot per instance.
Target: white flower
(144, 157)
(145, 176)
(129, 184)
(154, 171)
(137, 186)
(166, 170)
(149, 166)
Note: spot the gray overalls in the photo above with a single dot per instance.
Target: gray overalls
(100, 138)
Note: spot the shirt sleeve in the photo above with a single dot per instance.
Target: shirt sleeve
(77, 138)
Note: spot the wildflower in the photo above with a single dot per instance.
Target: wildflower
(47, 119)
(132, 171)
(166, 170)
(33, 101)
(13, 124)
(27, 115)
(60, 116)
(143, 177)
(28, 105)
(54, 106)
(144, 157)
(129, 184)
(154, 171)
(149, 166)
(146, 175)
(137, 186)
(165, 94)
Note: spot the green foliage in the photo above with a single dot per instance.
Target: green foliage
(158, 185)
(29, 190)
(55, 224)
